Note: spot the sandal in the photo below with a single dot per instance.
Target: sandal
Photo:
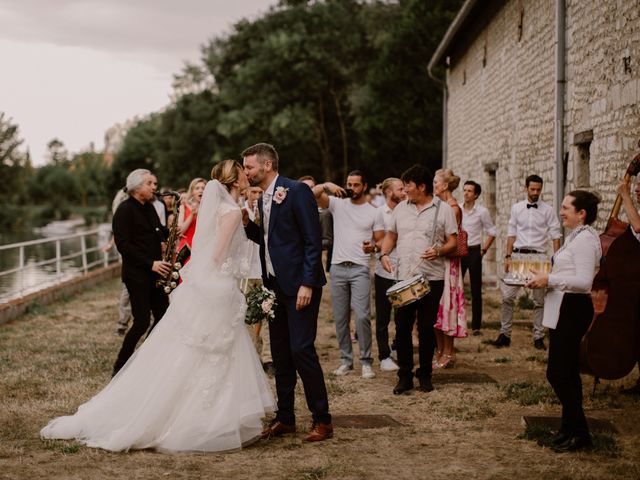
(445, 361)
(436, 358)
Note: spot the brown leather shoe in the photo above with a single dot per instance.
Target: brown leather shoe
(319, 431)
(277, 429)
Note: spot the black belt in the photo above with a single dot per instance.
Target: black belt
(348, 264)
(474, 247)
(525, 250)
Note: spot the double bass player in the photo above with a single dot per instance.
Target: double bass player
(624, 189)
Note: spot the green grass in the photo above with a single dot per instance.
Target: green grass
(469, 412)
(537, 358)
(66, 448)
(36, 308)
(314, 473)
(535, 432)
(527, 393)
(605, 444)
(491, 325)
(525, 302)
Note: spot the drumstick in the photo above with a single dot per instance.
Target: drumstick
(422, 260)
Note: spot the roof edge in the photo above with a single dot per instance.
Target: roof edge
(451, 33)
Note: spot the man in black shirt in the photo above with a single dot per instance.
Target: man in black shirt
(138, 236)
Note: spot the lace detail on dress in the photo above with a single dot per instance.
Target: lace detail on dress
(237, 268)
(214, 342)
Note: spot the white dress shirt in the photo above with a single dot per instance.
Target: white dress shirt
(161, 209)
(474, 222)
(255, 270)
(533, 227)
(267, 201)
(574, 267)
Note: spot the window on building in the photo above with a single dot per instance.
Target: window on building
(582, 158)
(489, 185)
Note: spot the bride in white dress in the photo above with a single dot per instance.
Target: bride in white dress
(196, 383)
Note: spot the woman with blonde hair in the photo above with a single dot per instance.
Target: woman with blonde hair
(188, 213)
(451, 322)
(196, 383)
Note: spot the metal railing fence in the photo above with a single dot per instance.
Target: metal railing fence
(65, 257)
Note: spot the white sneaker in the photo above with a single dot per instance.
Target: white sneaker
(342, 370)
(388, 365)
(367, 371)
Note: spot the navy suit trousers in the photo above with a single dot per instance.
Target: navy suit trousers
(293, 333)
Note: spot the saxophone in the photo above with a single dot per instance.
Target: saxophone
(170, 281)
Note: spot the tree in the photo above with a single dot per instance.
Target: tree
(56, 186)
(186, 142)
(58, 154)
(334, 84)
(287, 77)
(400, 119)
(92, 174)
(15, 165)
(138, 151)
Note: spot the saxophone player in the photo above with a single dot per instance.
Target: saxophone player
(138, 235)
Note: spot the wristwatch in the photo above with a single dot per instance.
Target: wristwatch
(507, 255)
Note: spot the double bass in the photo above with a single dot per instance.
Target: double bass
(611, 347)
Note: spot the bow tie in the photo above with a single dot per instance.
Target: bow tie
(532, 205)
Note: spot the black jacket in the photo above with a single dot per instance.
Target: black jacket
(138, 235)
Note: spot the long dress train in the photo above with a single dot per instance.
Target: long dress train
(196, 383)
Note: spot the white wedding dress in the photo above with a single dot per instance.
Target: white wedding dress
(196, 383)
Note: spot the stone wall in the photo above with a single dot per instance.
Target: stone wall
(501, 105)
(603, 92)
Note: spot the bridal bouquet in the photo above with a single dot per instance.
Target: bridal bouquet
(261, 305)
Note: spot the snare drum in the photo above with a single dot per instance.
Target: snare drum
(408, 291)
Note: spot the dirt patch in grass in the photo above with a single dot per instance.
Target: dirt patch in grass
(54, 359)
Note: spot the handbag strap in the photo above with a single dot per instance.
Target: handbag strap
(435, 221)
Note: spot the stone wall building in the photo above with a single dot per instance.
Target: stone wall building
(541, 86)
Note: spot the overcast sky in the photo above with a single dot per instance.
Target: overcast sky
(70, 69)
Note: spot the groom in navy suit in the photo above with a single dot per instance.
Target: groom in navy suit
(291, 257)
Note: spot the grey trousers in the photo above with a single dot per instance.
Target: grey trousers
(351, 288)
(509, 295)
(124, 308)
(261, 340)
(259, 332)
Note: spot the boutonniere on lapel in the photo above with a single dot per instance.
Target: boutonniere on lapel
(280, 194)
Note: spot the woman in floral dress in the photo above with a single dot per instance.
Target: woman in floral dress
(451, 322)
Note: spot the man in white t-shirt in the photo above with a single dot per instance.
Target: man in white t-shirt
(355, 222)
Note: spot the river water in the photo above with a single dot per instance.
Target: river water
(34, 276)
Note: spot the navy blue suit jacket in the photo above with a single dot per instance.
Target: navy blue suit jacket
(295, 238)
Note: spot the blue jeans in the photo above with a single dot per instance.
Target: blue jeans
(351, 288)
